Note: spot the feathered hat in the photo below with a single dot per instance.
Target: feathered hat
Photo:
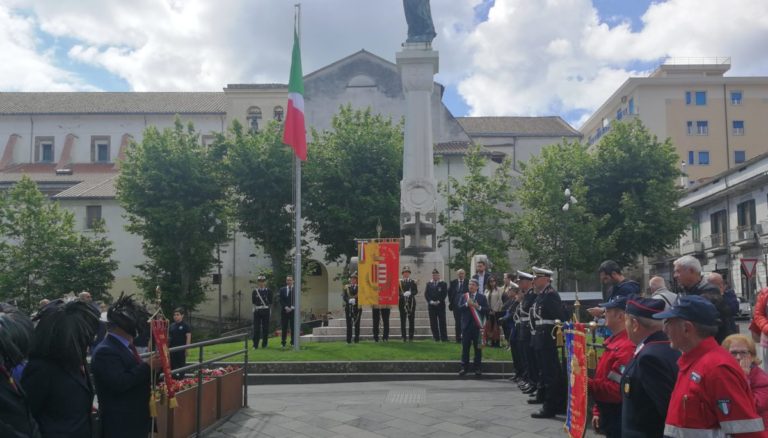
(128, 315)
(64, 331)
(15, 336)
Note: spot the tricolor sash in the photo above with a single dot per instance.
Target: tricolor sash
(475, 314)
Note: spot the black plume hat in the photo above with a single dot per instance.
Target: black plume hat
(128, 315)
(15, 336)
(64, 331)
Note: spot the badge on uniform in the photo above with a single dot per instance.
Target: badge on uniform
(626, 388)
(725, 406)
(695, 377)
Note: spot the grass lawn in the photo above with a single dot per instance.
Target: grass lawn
(340, 351)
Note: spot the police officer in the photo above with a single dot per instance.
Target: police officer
(261, 298)
(352, 309)
(546, 309)
(407, 304)
(649, 378)
(530, 379)
(435, 293)
(711, 396)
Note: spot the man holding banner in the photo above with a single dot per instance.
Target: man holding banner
(474, 308)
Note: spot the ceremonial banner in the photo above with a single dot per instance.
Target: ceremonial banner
(378, 264)
(576, 348)
(159, 328)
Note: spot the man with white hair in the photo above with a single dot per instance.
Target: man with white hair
(659, 291)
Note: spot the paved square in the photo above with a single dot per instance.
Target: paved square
(433, 408)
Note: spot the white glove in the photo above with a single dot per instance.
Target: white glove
(352, 301)
(407, 293)
(287, 308)
(434, 303)
(292, 308)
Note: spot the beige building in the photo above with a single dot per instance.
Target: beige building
(714, 121)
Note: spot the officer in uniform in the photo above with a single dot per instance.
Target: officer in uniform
(650, 377)
(435, 293)
(407, 304)
(261, 298)
(546, 309)
(352, 309)
(530, 378)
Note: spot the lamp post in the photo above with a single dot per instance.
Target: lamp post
(569, 200)
(378, 229)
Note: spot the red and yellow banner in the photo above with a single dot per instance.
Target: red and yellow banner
(576, 352)
(378, 264)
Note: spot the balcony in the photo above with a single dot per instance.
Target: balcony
(665, 256)
(715, 243)
(762, 228)
(745, 236)
(691, 248)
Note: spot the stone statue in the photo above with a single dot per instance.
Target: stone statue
(419, 18)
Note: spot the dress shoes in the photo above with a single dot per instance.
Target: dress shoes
(543, 414)
(530, 390)
(535, 401)
(463, 372)
(478, 373)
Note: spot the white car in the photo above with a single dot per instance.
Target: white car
(745, 309)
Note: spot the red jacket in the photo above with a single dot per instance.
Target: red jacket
(604, 387)
(711, 396)
(759, 317)
(758, 383)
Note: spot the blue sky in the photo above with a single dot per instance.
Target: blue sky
(497, 57)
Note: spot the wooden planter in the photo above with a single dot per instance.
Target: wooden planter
(230, 391)
(181, 422)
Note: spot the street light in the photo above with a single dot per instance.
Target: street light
(378, 229)
(569, 200)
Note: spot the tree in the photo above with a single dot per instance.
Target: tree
(479, 215)
(353, 175)
(41, 254)
(171, 189)
(260, 172)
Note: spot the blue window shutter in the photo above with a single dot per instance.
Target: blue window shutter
(701, 98)
(704, 157)
(739, 156)
(690, 157)
(687, 97)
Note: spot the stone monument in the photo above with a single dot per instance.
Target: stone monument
(418, 64)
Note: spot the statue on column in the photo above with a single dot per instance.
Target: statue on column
(418, 15)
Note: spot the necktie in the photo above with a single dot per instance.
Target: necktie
(135, 353)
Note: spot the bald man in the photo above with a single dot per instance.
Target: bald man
(659, 291)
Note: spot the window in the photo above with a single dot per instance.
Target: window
(690, 157)
(702, 127)
(738, 127)
(253, 117)
(632, 105)
(687, 97)
(739, 156)
(618, 114)
(278, 113)
(745, 213)
(44, 151)
(92, 216)
(735, 97)
(704, 158)
(701, 98)
(100, 149)
(689, 127)
(718, 223)
(695, 229)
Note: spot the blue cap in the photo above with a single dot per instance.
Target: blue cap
(618, 302)
(692, 308)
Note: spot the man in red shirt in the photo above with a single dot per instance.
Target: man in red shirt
(604, 386)
(711, 396)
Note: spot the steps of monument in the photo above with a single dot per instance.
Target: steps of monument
(277, 379)
(369, 367)
(394, 330)
(343, 337)
(368, 322)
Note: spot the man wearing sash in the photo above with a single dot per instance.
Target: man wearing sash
(352, 310)
(261, 298)
(407, 304)
(474, 308)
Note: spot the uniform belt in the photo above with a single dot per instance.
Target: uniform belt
(262, 307)
(545, 322)
(525, 319)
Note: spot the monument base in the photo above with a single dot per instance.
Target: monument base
(422, 266)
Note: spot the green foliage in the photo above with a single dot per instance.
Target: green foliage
(627, 200)
(259, 169)
(353, 175)
(479, 215)
(172, 191)
(41, 254)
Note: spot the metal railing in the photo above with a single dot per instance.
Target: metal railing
(198, 367)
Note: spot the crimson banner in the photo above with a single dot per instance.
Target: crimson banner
(378, 266)
(576, 349)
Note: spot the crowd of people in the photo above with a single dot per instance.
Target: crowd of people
(62, 377)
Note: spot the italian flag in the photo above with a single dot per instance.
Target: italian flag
(295, 134)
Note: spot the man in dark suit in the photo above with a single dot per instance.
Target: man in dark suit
(435, 293)
(481, 275)
(261, 298)
(459, 286)
(122, 379)
(649, 379)
(474, 308)
(407, 304)
(287, 310)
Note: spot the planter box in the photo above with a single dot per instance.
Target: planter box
(182, 421)
(230, 391)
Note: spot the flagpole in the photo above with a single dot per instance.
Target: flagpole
(297, 231)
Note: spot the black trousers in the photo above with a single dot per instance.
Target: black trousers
(286, 323)
(457, 321)
(551, 379)
(178, 360)
(410, 315)
(260, 327)
(517, 359)
(471, 337)
(437, 322)
(532, 361)
(353, 313)
(382, 314)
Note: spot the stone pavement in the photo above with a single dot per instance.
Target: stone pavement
(436, 408)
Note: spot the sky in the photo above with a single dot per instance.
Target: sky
(497, 57)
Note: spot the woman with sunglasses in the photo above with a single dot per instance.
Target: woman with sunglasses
(742, 348)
